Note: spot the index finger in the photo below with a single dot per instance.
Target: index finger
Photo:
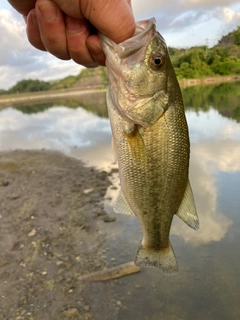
(23, 6)
(114, 18)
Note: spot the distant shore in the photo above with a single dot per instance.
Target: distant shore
(47, 96)
(209, 80)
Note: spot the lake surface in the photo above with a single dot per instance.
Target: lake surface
(208, 284)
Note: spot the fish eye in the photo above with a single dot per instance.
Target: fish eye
(156, 61)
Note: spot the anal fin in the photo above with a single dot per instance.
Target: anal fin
(121, 205)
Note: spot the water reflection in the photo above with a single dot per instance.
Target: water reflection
(94, 102)
(213, 223)
(207, 286)
(58, 128)
(224, 97)
(215, 148)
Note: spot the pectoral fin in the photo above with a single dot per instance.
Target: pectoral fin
(136, 145)
(187, 210)
(121, 205)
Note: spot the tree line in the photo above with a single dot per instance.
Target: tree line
(196, 62)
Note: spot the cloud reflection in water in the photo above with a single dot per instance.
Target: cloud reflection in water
(214, 148)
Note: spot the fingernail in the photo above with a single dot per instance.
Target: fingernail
(48, 11)
(34, 20)
(74, 25)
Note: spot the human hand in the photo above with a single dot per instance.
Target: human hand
(68, 28)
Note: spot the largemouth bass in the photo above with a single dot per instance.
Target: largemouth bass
(150, 140)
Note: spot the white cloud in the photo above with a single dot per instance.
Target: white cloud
(183, 23)
(206, 3)
(188, 22)
(230, 18)
(19, 60)
(12, 38)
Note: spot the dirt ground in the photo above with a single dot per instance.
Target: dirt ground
(49, 236)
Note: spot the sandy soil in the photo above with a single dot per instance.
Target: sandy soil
(49, 236)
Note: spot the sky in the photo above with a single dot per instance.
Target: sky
(183, 23)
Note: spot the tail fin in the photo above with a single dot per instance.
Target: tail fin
(164, 259)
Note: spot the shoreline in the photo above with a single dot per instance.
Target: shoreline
(207, 81)
(48, 96)
(51, 207)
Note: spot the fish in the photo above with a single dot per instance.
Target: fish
(150, 141)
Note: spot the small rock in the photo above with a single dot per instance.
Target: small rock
(59, 279)
(109, 219)
(34, 244)
(119, 303)
(86, 308)
(86, 191)
(14, 196)
(3, 263)
(4, 183)
(98, 265)
(72, 312)
(32, 233)
(44, 273)
(78, 184)
(113, 259)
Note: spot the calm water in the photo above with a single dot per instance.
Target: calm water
(208, 284)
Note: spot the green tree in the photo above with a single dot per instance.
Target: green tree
(29, 86)
(236, 37)
(2, 91)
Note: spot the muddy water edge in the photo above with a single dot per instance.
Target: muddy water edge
(50, 208)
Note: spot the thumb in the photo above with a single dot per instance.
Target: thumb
(114, 18)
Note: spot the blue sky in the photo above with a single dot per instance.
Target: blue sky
(183, 23)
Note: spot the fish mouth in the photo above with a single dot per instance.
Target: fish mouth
(144, 32)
